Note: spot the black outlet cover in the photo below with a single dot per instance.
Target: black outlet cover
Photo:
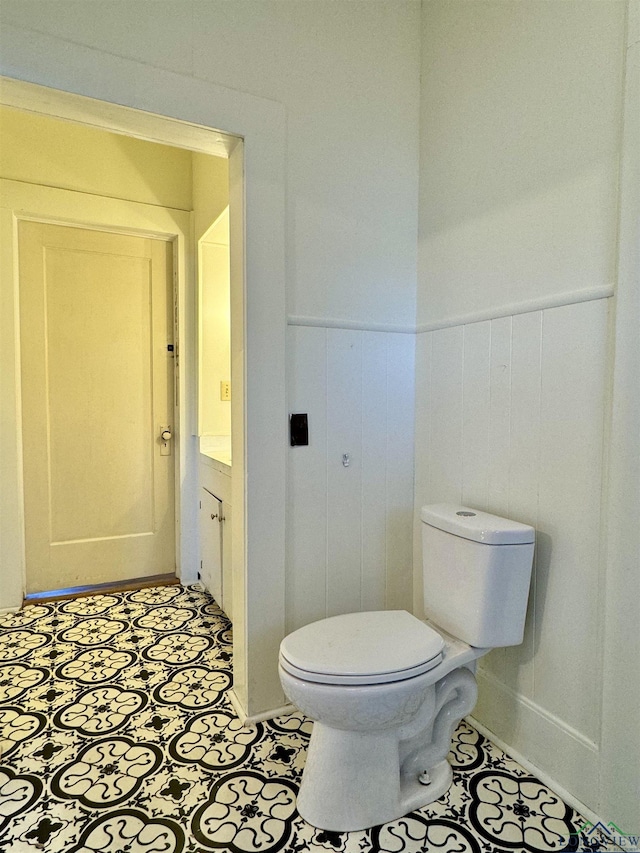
(299, 429)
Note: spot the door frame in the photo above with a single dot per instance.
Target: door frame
(179, 254)
(128, 97)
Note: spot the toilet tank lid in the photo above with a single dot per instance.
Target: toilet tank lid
(476, 525)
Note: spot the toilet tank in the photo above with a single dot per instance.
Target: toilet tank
(476, 570)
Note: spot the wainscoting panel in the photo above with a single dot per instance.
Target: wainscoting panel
(445, 413)
(510, 418)
(400, 469)
(374, 475)
(524, 474)
(350, 525)
(568, 580)
(344, 481)
(499, 415)
(476, 414)
(306, 577)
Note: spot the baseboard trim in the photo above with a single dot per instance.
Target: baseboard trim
(251, 720)
(552, 747)
(536, 771)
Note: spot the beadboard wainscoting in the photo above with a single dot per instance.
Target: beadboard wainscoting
(511, 419)
(349, 542)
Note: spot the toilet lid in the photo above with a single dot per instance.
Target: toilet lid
(362, 648)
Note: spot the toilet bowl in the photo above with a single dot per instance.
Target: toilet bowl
(380, 737)
(386, 690)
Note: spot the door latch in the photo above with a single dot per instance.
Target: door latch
(165, 440)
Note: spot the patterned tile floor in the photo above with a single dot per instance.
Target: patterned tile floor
(116, 736)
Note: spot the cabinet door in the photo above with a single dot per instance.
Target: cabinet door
(227, 579)
(211, 544)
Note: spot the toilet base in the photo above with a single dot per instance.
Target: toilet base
(347, 777)
(355, 780)
(363, 811)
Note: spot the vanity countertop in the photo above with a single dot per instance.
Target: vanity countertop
(215, 451)
(217, 459)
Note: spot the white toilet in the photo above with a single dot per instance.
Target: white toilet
(386, 690)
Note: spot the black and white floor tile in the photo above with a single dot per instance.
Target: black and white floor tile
(116, 736)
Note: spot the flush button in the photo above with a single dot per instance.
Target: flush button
(466, 514)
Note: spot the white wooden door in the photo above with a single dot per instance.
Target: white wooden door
(97, 390)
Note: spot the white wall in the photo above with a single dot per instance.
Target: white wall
(521, 108)
(210, 200)
(214, 366)
(40, 150)
(210, 190)
(520, 135)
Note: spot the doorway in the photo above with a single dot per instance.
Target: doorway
(142, 197)
(182, 111)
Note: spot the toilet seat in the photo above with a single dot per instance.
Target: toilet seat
(362, 648)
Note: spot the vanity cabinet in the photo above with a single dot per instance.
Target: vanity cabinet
(215, 531)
